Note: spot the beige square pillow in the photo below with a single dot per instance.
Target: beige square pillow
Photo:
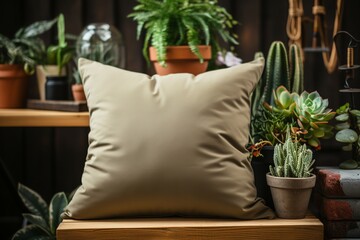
(168, 145)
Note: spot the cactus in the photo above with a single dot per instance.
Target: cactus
(277, 72)
(296, 69)
(291, 159)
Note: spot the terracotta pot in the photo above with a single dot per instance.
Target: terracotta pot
(13, 86)
(291, 195)
(78, 92)
(180, 59)
(43, 71)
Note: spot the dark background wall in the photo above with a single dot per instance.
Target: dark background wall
(51, 159)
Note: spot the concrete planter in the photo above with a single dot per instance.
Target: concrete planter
(291, 196)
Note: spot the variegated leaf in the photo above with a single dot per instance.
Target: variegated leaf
(34, 202)
(57, 205)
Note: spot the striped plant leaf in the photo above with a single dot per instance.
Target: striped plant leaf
(31, 232)
(57, 205)
(34, 202)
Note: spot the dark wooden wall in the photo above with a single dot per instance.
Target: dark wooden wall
(51, 159)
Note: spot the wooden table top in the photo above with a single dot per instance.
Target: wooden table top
(42, 118)
(200, 229)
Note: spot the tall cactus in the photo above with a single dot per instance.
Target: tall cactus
(296, 69)
(277, 72)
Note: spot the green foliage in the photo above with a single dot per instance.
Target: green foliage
(307, 114)
(279, 71)
(61, 53)
(29, 49)
(26, 47)
(348, 128)
(292, 159)
(182, 22)
(44, 219)
(313, 114)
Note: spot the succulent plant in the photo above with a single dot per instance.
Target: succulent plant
(271, 126)
(292, 159)
(279, 71)
(284, 101)
(307, 115)
(313, 114)
(349, 133)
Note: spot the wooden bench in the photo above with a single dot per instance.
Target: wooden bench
(186, 229)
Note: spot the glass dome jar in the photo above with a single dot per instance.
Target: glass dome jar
(103, 43)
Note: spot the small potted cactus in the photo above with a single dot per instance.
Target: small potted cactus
(291, 179)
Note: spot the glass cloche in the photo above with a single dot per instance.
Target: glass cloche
(101, 42)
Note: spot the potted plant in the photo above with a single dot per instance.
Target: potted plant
(348, 128)
(307, 114)
(43, 218)
(183, 35)
(53, 61)
(291, 179)
(18, 57)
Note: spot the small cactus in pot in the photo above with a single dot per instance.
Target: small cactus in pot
(291, 179)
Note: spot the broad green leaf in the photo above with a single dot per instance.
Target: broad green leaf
(349, 164)
(38, 221)
(341, 126)
(57, 205)
(31, 232)
(347, 148)
(346, 136)
(319, 133)
(35, 29)
(34, 202)
(355, 112)
(342, 117)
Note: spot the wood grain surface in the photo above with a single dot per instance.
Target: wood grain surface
(199, 229)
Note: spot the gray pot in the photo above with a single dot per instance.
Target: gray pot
(291, 196)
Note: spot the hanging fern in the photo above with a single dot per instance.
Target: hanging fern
(182, 22)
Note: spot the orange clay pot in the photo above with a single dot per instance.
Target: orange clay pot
(13, 86)
(78, 92)
(180, 59)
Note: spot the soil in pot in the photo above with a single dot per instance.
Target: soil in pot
(180, 59)
(291, 195)
(13, 86)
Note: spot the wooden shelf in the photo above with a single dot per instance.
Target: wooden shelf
(42, 118)
(200, 229)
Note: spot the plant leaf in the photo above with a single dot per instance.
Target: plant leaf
(57, 205)
(38, 221)
(341, 126)
(31, 232)
(34, 202)
(346, 136)
(355, 112)
(342, 117)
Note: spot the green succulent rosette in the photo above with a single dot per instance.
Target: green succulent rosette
(313, 115)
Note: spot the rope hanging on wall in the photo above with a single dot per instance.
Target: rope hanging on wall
(294, 29)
